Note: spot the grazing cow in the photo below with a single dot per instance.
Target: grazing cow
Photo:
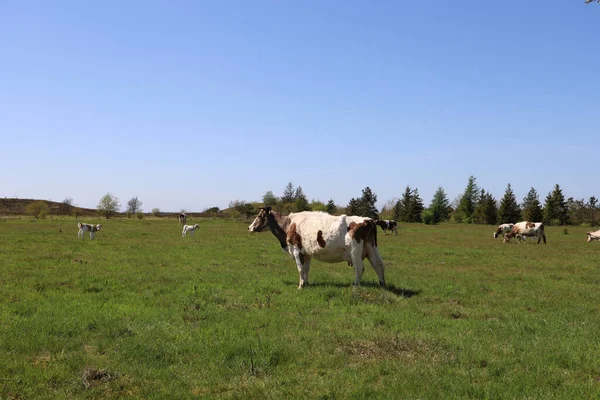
(525, 228)
(503, 230)
(189, 229)
(182, 219)
(307, 235)
(87, 228)
(388, 225)
(593, 236)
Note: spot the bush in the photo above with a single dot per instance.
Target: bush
(39, 209)
(139, 215)
(156, 212)
(427, 217)
(129, 214)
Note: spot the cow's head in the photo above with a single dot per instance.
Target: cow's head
(98, 227)
(261, 222)
(498, 231)
(591, 236)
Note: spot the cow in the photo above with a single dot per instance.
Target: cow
(593, 236)
(307, 235)
(526, 228)
(182, 219)
(388, 225)
(503, 230)
(189, 229)
(87, 228)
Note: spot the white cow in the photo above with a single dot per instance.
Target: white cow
(189, 229)
(87, 228)
(503, 230)
(593, 236)
(307, 235)
(525, 228)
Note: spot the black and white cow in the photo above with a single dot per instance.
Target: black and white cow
(388, 225)
(182, 219)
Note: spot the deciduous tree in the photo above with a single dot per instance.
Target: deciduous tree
(108, 205)
(134, 205)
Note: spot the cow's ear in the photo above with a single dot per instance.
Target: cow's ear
(268, 210)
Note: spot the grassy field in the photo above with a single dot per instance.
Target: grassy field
(142, 312)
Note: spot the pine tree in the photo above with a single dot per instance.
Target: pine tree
(299, 193)
(302, 203)
(509, 211)
(416, 207)
(353, 207)
(532, 209)
(468, 200)
(288, 194)
(555, 209)
(403, 206)
(330, 207)
(367, 204)
(486, 211)
(440, 206)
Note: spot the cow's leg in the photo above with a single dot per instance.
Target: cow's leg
(299, 258)
(377, 262)
(305, 269)
(92, 235)
(356, 250)
(544, 237)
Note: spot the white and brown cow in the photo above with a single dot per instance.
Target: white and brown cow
(388, 225)
(307, 235)
(182, 219)
(503, 230)
(526, 229)
(87, 228)
(593, 236)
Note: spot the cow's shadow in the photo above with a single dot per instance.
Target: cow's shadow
(406, 293)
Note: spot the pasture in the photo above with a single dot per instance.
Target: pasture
(142, 312)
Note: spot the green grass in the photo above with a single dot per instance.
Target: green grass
(144, 313)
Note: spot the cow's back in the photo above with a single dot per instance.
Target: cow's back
(321, 233)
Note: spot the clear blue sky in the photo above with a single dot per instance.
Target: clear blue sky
(192, 104)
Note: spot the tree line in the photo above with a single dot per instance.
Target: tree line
(475, 205)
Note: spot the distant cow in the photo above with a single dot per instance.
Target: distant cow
(182, 219)
(87, 228)
(525, 228)
(189, 229)
(593, 236)
(388, 225)
(325, 237)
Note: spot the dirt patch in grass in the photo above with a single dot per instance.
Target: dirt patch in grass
(394, 347)
(92, 377)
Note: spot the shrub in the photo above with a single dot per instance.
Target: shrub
(129, 214)
(139, 215)
(39, 209)
(427, 217)
(156, 212)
